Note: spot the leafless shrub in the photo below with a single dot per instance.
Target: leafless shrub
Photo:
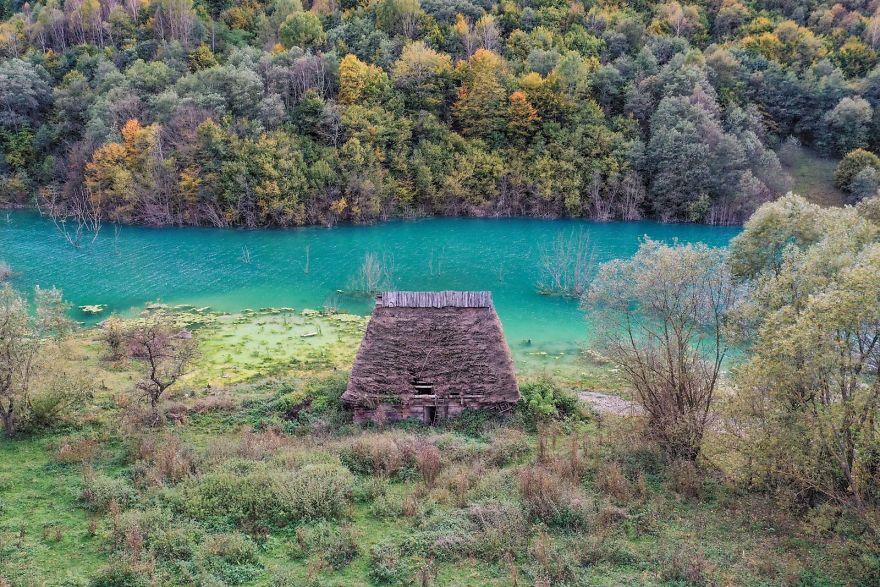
(428, 463)
(568, 265)
(610, 479)
(77, 217)
(376, 274)
(685, 479)
(164, 460)
(687, 565)
(113, 333)
(76, 450)
(245, 256)
(610, 516)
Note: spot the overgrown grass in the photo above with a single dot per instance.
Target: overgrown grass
(812, 175)
(269, 483)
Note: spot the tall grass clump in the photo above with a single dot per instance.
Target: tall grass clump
(551, 498)
(257, 496)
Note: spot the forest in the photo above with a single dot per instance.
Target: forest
(289, 112)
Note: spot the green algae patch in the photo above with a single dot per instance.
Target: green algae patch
(240, 347)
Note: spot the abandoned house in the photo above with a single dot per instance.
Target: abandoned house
(430, 356)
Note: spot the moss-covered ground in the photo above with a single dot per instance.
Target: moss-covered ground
(258, 477)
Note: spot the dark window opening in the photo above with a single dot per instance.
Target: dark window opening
(430, 415)
(423, 388)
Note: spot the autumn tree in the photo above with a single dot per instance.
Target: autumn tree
(480, 107)
(424, 76)
(522, 118)
(360, 82)
(399, 17)
(810, 387)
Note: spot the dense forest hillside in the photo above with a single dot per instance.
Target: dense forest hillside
(282, 112)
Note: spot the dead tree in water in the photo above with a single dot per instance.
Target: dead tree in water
(75, 217)
(568, 265)
(374, 276)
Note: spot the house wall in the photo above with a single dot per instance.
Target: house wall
(416, 409)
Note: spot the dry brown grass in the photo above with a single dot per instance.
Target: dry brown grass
(550, 497)
(688, 565)
(455, 482)
(162, 460)
(428, 463)
(376, 454)
(508, 446)
(611, 480)
(77, 450)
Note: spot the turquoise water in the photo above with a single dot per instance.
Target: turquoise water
(210, 267)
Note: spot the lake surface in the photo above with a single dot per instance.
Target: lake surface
(231, 270)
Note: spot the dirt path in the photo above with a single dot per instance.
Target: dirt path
(609, 404)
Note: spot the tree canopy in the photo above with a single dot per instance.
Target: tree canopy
(286, 112)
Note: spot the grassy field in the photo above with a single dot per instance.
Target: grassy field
(258, 477)
(812, 175)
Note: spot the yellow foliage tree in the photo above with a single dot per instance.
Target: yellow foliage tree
(359, 81)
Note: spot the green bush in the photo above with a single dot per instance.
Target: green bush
(369, 489)
(120, 573)
(388, 566)
(231, 558)
(99, 491)
(336, 545)
(57, 395)
(268, 497)
(543, 400)
(165, 538)
(312, 401)
(850, 166)
(322, 492)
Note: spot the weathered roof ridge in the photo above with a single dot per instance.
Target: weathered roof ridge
(435, 299)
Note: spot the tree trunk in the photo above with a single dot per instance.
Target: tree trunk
(9, 427)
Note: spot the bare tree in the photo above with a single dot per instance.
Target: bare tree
(661, 316)
(76, 217)
(167, 353)
(568, 265)
(307, 263)
(375, 275)
(245, 256)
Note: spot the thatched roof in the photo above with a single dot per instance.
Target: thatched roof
(435, 299)
(451, 340)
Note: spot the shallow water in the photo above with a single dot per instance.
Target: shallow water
(231, 270)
